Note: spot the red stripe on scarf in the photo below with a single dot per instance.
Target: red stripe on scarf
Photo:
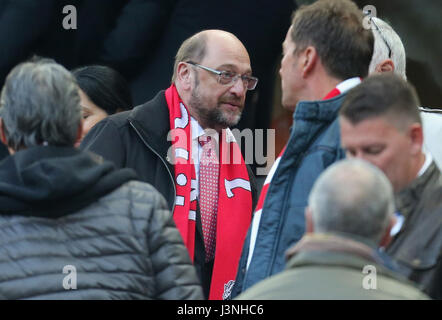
(234, 199)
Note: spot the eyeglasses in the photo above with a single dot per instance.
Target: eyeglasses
(382, 36)
(229, 78)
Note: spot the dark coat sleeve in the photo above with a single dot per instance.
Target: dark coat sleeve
(138, 27)
(175, 276)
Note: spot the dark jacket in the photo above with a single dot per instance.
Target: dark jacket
(314, 144)
(326, 266)
(417, 248)
(60, 208)
(137, 139)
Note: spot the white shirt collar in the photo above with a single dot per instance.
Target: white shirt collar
(348, 84)
(198, 131)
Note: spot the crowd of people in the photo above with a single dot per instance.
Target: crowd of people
(156, 201)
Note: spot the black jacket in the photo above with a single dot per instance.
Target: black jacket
(61, 209)
(137, 139)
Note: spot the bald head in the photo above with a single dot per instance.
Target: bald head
(352, 196)
(197, 46)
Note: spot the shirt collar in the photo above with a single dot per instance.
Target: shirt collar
(343, 86)
(198, 131)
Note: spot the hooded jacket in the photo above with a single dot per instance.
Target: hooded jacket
(74, 227)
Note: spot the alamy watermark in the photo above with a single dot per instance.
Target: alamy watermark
(369, 282)
(369, 12)
(70, 20)
(70, 281)
(252, 142)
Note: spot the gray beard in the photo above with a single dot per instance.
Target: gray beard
(211, 118)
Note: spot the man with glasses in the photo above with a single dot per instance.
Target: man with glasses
(326, 52)
(181, 143)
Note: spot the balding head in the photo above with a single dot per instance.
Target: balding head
(354, 197)
(195, 48)
(212, 75)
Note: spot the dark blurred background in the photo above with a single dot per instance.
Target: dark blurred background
(139, 38)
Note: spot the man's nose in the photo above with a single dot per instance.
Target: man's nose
(238, 87)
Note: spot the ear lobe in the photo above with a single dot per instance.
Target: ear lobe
(2, 133)
(310, 57)
(79, 135)
(417, 137)
(385, 66)
(184, 75)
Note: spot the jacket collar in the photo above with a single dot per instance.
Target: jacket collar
(320, 110)
(334, 243)
(151, 121)
(407, 199)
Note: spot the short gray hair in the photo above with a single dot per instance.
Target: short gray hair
(380, 51)
(352, 196)
(40, 104)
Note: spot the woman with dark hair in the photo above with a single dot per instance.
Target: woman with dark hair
(103, 91)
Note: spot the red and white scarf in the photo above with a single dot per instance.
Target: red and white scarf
(234, 199)
(340, 88)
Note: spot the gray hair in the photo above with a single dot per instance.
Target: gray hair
(40, 104)
(380, 51)
(352, 196)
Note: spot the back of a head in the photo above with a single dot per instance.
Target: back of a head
(353, 197)
(382, 95)
(387, 45)
(105, 87)
(40, 104)
(335, 29)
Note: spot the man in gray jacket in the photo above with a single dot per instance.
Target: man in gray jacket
(77, 227)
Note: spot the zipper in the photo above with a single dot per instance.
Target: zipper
(162, 160)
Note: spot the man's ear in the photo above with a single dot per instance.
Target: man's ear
(2, 133)
(309, 59)
(308, 220)
(386, 239)
(385, 66)
(184, 75)
(79, 135)
(3, 137)
(416, 134)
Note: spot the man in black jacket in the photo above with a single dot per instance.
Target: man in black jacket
(212, 74)
(77, 227)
